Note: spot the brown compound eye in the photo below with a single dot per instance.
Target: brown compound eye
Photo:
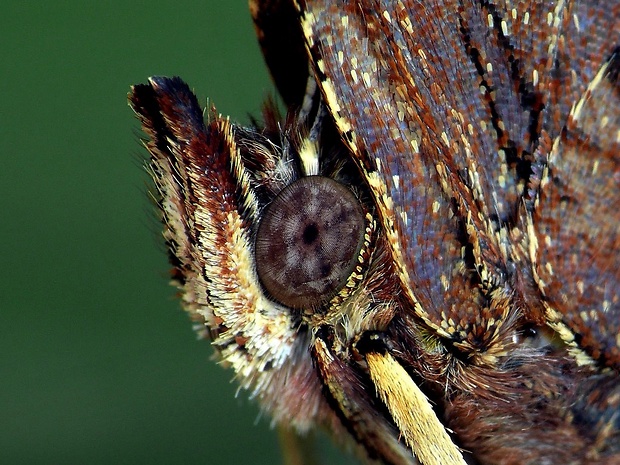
(308, 241)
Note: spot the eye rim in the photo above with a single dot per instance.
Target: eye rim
(281, 292)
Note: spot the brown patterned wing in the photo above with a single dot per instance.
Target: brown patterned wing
(576, 221)
(461, 98)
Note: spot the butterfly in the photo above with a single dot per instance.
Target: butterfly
(421, 256)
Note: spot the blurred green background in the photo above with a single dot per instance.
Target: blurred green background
(98, 363)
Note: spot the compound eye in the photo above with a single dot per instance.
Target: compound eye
(308, 241)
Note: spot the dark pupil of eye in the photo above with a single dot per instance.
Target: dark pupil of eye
(308, 241)
(311, 233)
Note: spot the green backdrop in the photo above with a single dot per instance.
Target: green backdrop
(98, 364)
